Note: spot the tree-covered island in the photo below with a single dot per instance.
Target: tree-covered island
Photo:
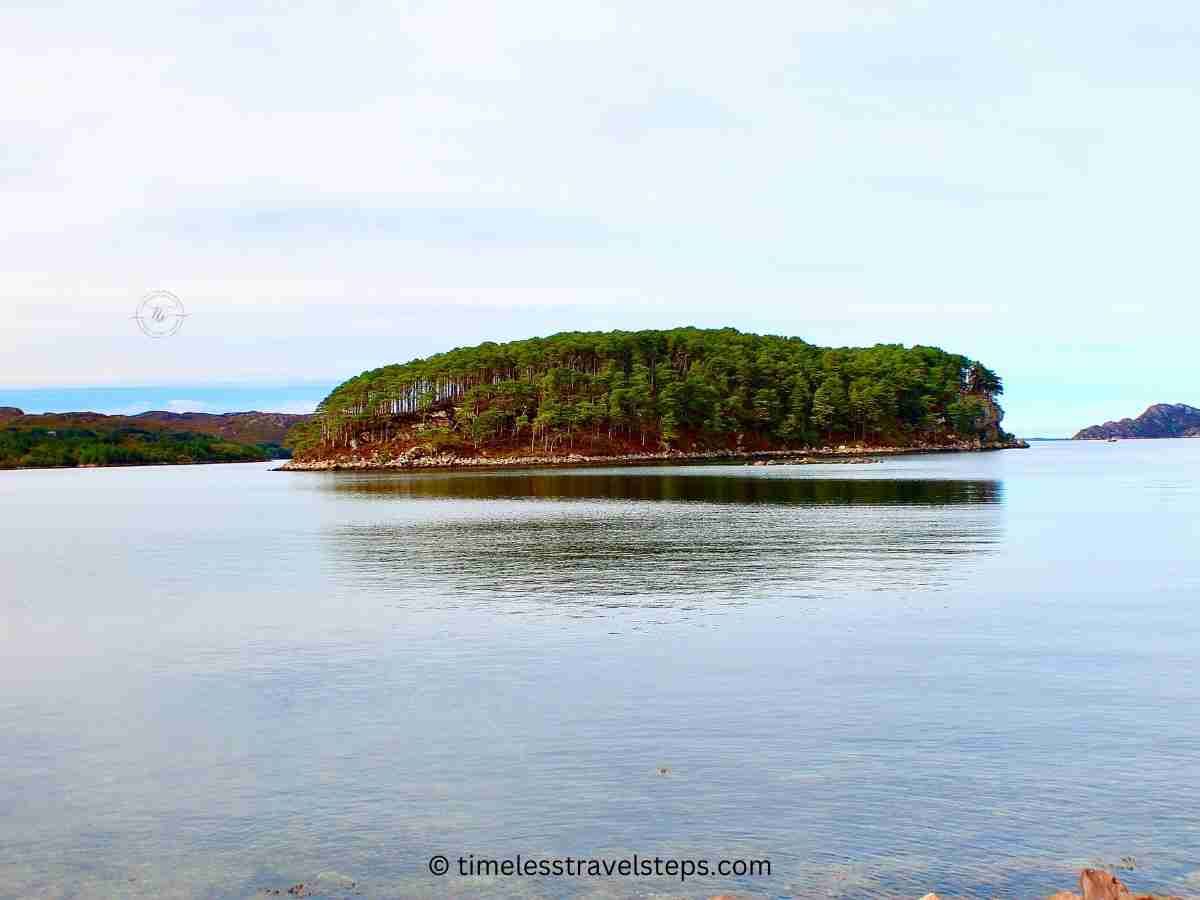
(682, 391)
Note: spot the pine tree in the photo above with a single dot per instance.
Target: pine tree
(829, 404)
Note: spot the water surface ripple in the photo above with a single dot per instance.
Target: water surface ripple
(971, 673)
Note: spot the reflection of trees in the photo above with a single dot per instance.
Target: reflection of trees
(568, 485)
(719, 539)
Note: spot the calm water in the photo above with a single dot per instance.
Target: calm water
(974, 673)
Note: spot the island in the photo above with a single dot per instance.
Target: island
(157, 437)
(1162, 420)
(621, 396)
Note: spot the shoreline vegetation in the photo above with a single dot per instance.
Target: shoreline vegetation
(79, 448)
(139, 465)
(685, 394)
(94, 440)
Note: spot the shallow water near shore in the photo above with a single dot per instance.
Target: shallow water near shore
(973, 673)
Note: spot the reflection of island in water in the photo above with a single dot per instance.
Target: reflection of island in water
(647, 485)
(603, 539)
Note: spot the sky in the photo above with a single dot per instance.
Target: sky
(332, 187)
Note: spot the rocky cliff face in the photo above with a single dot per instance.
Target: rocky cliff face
(1163, 420)
(991, 432)
(10, 412)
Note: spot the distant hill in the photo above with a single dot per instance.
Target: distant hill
(246, 427)
(1163, 420)
(155, 437)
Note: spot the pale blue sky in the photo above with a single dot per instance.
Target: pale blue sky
(330, 189)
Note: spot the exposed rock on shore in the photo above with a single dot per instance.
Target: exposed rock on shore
(422, 458)
(1096, 884)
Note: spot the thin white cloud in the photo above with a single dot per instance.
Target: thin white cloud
(181, 406)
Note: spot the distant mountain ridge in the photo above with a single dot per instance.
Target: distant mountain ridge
(1163, 420)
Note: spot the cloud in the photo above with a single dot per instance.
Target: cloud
(302, 408)
(181, 406)
(460, 228)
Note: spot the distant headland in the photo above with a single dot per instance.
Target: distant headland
(86, 439)
(621, 396)
(1163, 420)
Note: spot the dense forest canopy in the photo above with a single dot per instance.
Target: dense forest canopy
(661, 388)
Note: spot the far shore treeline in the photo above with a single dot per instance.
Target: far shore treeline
(66, 440)
(678, 388)
(69, 447)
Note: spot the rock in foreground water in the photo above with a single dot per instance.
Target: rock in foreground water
(1096, 884)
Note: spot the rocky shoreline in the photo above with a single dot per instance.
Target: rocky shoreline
(1094, 884)
(422, 458)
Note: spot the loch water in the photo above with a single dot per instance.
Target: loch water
(974, 673)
